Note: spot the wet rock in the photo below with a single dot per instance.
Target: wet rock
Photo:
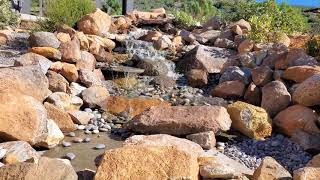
(18, 151)
(80, 117)
(307, 93)
(46, 168)
(86, 174)
(87, 61)
(126, 82)
(234, 73)
(164, 42)
(217, 165)
(211, 59)
(296, 117)
(275, 97)
(89, 78)
(64, 101)
(43, 39)
(206, 140)
(306, 173)
(262, 75)
(70, 51)
(57, 83)
(33, 59)
(153, 67)
(271, 169)
(164, 82)
(151, 36)
(70, 72)
(181, 120)
(97, 23)
(130, 106)
(98, 43)
(229, 89)
(60, 117)
(253, 95)
(250, 120)
(165, 140)
(155, 162)
(300, 73)
(94, 95)
(48, 52)
(28, 80)
(197, 77)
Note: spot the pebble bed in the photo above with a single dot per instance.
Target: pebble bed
(250, 152)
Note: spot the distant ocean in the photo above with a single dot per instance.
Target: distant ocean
(313, 3)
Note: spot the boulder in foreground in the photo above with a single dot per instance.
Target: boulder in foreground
(308, 93)
(147, 162)
(271, 169)
(181, 120)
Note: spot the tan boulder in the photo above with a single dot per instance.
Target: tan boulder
(87, 61)
(151, 36)
(47, 52)
(306, 173)
(245, 46)
(64, 101)
(97, 23)
(185, 145)
(147, 162)
(270, 169)
(300, 73)
(80, 117)
(28, 80)
(94, 95)
(229, 89)
(275, 97)
(89, 78)
(284, 39)
(129, 106)
(314, 162)
(296, 117)
(181, 120)
(60, 117)
(70, 51)
(63, 37)
(70, 72)
(250, 120)
(206, 140)
(56, 66)
(101, 42)
(307, 93)
(197, 77)
(33, 59)
(57, 83)
(84, 42)
(46, 168)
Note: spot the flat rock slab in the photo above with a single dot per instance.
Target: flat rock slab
(181, 120)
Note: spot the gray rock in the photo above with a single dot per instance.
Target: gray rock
(33, 59)
(206, 140)
(233, 73)
(153, 67)
(17, 151)
(71, 134)
(70, 156)
(100, 146)
(43, 39)
(87, 139)
(66, 144)
(77, 140)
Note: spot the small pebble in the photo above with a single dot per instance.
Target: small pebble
(71, 134)
(87, 139)
(96, 131)
(77, 140)
(81, 127)
(103, 129)
(66, 144)
(87, 132)
(100, 146)
(70, 156)
(88, 110)
(3, 152)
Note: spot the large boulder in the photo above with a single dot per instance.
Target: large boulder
(275, 97)
(211, 59)
(48, 52)
(147, 162)
(43, 39)
(57, 83)
(270, 169)
(165, 140)
(307, 93)
(70, 51)
(229, 89)
(216, 165)
(250, 120)
(87, 61)
(181, 120)
(45, 168)
(29, 118)
(129, 106)
(306, 173)
(300, 73)
(28, 80)
(262, 75)
(60, 117)
(89, 78)
(197, 77)
(296, 117)
(97, 23)
(70, 72)
(64, 101)
(234, 73)
(206, 140)
(33, 59)
(94, 95)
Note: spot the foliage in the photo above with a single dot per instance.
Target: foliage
(184, 18)
(313, 47)
(7, 16)
(67, 11)
(112, 7)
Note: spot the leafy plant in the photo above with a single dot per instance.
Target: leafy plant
(112, 7)
(184, 18)
(313, 47)
(67, 11)
(7, 16)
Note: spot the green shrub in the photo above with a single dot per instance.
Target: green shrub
(184, 18)
(313, 47)
(7, 16)
(112, 7)
(67, 11)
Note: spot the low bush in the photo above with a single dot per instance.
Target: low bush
(66, 11)
(313, 47)
(112, 7)
(7, 16)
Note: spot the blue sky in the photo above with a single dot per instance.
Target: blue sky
(301, 2)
